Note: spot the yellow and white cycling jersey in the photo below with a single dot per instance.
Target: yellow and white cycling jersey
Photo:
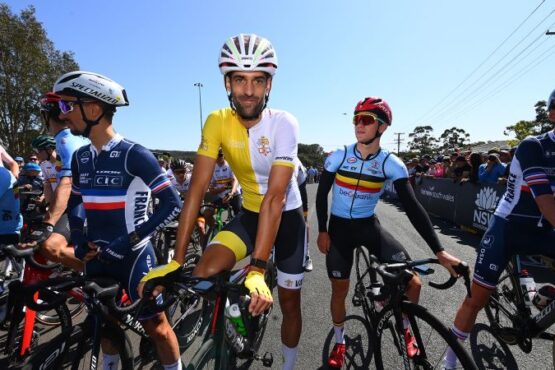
(252, 153)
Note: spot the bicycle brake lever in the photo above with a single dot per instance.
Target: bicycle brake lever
(463, 270)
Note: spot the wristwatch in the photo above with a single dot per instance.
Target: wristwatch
(261, 264)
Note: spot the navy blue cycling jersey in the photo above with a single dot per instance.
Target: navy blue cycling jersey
(115, 187)
(532, 173)
(359, 182)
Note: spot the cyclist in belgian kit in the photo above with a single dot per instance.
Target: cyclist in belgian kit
(113, 180)
(357, 174)
(522, 223)
(260, 145)
(11, 220)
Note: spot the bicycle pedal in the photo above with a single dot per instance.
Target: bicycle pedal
(267, 359)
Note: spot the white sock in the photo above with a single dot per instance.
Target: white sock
(406, 322)
(174, 366)
(339, 334)
(450, 356)
(289, 356)
(110, 362)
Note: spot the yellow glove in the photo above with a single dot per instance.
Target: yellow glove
(161, 271)
(255, 284)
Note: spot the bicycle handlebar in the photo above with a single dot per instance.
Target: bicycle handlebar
(395, 278)
(17, 252)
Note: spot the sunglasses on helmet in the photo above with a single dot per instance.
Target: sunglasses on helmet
(366, 118)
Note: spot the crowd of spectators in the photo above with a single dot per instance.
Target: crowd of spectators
(490, 167)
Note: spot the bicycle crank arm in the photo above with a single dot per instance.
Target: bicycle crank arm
(267, 360)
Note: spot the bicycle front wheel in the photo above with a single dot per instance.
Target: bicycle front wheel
(429, 336)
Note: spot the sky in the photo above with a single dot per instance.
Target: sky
(413, 54)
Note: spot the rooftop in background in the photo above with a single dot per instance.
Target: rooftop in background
(499, 144)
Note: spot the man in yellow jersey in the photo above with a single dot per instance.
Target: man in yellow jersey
(260, 145)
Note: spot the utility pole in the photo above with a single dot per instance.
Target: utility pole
(399, 141)
(199, 85)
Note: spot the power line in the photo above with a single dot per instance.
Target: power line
(515, 77)
(465, 102)
(398, 141)
(481, 64)
(458, 97)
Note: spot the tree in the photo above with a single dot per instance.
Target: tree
(453, 138)
(422, 140)
(540, 125)
(311, 155)
(29, 65)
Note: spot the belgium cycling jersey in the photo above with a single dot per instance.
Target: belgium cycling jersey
(10, 220)
(66, 144)
(359, 182)
(252, 152)
(115, 186)
(222, 178)
(532, 173)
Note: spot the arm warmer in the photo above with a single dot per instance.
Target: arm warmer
(416, 214)
(324, 186)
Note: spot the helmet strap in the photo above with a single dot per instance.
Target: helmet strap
(89, 122)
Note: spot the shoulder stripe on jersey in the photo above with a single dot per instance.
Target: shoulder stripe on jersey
(161, 186)
(153, 182)
(356, 176)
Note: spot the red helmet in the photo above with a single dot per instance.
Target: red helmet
(49, 103)
(375, 105)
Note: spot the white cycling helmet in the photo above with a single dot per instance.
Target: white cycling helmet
(83, 84)
(246, 53)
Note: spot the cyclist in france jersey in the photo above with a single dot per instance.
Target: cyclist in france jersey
(8, 161)
(53, 234)
(522, 223)
(260, 145)
(11, 220)
(357, 175)
(113, 180)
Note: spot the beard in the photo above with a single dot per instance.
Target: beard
(249, 114)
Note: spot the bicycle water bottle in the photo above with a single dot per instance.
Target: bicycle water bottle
(528, 286)
(233, 313)
(376, 291)
(236, 340)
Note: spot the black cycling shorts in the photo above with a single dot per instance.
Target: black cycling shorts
(348, 234)
(289, 252)
(504, 239)
(62, 228)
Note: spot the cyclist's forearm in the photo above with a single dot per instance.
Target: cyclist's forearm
(167, 211)
(268, 224)
(58, 204)
(324, 186)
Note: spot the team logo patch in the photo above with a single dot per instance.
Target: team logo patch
(263, 145)
(351, 160)
(85, 156)
(487, 241)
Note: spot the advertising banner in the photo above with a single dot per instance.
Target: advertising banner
(438, 196)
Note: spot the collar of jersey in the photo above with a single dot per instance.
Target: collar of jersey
(551, 135)
(109, 145)
(359, 156)
(66, 131)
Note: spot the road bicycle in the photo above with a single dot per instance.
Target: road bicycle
(509, 315)
(397, 323)
(25, 266)
(223, 347)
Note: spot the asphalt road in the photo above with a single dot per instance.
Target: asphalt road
(317, 336)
